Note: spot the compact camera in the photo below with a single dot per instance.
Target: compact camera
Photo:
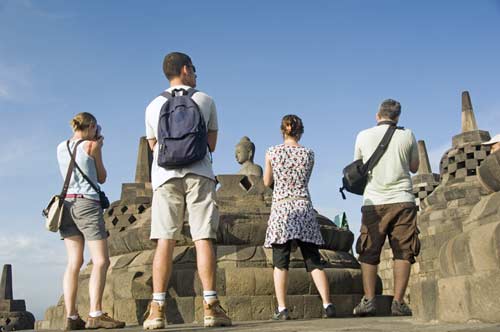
(98, 132)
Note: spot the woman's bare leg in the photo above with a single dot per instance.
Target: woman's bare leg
(100, 261)
(321, 282)
(74, 249)
(281, 286)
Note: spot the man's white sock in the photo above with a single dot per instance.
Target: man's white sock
(95, 314)
(159, 298)
(210, 296)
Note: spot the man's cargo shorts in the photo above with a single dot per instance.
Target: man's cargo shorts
(193, 195)
(398, 221)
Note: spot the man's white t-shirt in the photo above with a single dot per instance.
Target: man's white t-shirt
(390, 180)
(160, 175)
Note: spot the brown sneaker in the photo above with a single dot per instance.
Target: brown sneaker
(74, 324)
(103, 322)
(215, 315)
(156, 316)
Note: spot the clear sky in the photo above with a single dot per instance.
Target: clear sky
(330, 62)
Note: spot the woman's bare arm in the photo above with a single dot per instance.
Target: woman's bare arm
(96, 152)
(268, 172)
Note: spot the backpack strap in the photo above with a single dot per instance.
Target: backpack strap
(381, 148)
(191, 92)
(166, 94)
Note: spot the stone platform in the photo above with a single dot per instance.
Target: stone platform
(372, 324)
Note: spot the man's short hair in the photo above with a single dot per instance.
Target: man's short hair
(173, 63)
(390, 109)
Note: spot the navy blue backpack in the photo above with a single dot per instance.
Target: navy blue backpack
(182, 132)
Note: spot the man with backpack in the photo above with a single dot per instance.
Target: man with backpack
(181, 128)
(389, 208)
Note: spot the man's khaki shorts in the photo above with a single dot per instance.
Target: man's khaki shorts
(193, 194)
(398, 221)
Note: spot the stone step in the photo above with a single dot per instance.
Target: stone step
(239, 308)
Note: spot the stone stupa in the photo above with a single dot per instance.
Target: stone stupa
(459, 265)
(13, 314)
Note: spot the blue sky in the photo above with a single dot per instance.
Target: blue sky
(330, 62)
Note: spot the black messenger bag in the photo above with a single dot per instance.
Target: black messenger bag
(355, 175)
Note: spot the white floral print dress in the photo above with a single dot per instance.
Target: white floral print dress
(292, 215)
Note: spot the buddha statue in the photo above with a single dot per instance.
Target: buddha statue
(245, 151)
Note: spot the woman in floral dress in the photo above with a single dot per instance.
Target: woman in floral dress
(289, 166)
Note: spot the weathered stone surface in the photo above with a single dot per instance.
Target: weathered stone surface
(489, 172)
(129, 310)
(468, 118)
(453, 295)
(144, 162)
(471, 252)
(12, 305)
(15, 321)
(13, 314)
(6, 283)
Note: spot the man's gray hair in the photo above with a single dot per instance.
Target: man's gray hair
(390, 109)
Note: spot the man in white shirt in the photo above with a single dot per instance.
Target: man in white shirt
(179, 190)
(389, 208)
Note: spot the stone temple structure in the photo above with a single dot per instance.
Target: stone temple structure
(244, 268)
(13, 314)
(459, 266)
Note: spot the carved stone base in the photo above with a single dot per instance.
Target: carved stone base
(16, 320)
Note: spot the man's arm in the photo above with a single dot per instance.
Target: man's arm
(414, 157)
(212, 140)
(357, 151)
(152, 143)
(414, 164)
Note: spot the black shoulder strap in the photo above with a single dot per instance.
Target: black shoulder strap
(73, 156)
(191, 92)
(381, 148)
(166, 94)
(70, 170)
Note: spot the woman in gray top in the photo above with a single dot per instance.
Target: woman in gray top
(83, 220)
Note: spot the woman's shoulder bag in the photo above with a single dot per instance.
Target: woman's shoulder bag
(53, 213)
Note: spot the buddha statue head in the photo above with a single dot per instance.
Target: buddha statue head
(245, 151)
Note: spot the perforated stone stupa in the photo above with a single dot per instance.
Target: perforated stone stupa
(244, 267)
(459, 264)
